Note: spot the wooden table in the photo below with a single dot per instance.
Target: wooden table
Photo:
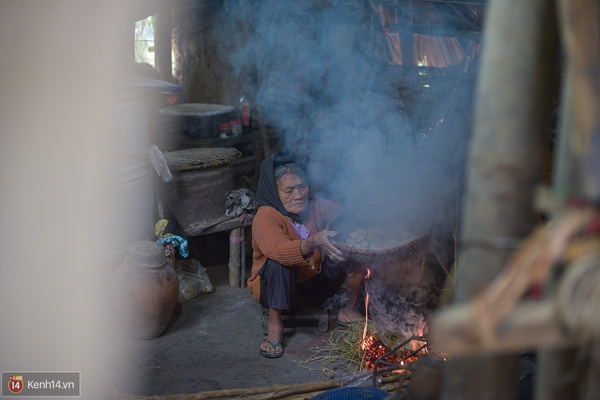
(237, 248)
(241, 167)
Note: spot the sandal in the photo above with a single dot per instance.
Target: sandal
(269, 354)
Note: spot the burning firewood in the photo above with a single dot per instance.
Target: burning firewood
(347, 348)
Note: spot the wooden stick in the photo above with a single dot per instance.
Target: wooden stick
(270, 392)
(302, 388)
(531, 325)
(236, 392)
(305, 396)
(490, 322)
(528, 265)
(243, 258)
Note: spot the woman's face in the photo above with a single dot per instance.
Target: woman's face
(293, 192)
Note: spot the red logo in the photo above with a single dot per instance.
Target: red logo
(15, 383)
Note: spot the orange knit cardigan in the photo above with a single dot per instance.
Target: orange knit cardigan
(274, 237)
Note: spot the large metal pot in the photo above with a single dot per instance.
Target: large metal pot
(415, 234)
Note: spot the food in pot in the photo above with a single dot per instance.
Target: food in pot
(379, 237)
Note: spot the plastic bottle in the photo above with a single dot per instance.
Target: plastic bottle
(224, 130)
(236, 127)
(245, 108)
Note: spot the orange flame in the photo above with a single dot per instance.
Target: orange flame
(366, 305)
(416, 344)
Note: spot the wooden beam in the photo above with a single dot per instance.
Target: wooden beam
(437, 31)
(531, 325)
(226, 224)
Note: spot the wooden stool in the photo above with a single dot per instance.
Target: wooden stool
(314, 316)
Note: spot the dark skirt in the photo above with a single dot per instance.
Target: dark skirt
(279, 286)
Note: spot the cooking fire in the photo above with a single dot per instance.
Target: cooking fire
(375, 352)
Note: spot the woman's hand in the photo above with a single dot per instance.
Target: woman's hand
(321, 240)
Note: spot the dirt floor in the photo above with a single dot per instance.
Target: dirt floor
(214, 344)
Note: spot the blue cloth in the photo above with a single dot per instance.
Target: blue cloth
(176, 241)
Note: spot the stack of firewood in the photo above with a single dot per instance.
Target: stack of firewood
(389, 383)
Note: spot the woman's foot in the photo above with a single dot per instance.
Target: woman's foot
(348, 315)
(272, 347)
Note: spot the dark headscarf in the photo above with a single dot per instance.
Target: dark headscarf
(266, 192)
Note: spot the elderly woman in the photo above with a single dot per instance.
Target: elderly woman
(295, 266)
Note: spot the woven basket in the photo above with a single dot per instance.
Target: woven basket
(200, 158)
(202, 177)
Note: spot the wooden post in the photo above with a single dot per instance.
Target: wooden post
(580, 31)
(243, 258)
(513, 105)
(234, 257)
(162, 44)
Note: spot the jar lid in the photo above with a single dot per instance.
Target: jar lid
(146, 254)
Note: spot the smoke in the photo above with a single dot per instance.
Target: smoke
(388, 142)
(368, 129)
(402, 296)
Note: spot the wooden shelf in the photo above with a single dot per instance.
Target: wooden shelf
(222, 142)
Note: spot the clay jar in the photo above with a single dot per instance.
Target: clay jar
(144, 290)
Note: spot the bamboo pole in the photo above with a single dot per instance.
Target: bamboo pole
(580, 31)
(579, 121)
(506, 162)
